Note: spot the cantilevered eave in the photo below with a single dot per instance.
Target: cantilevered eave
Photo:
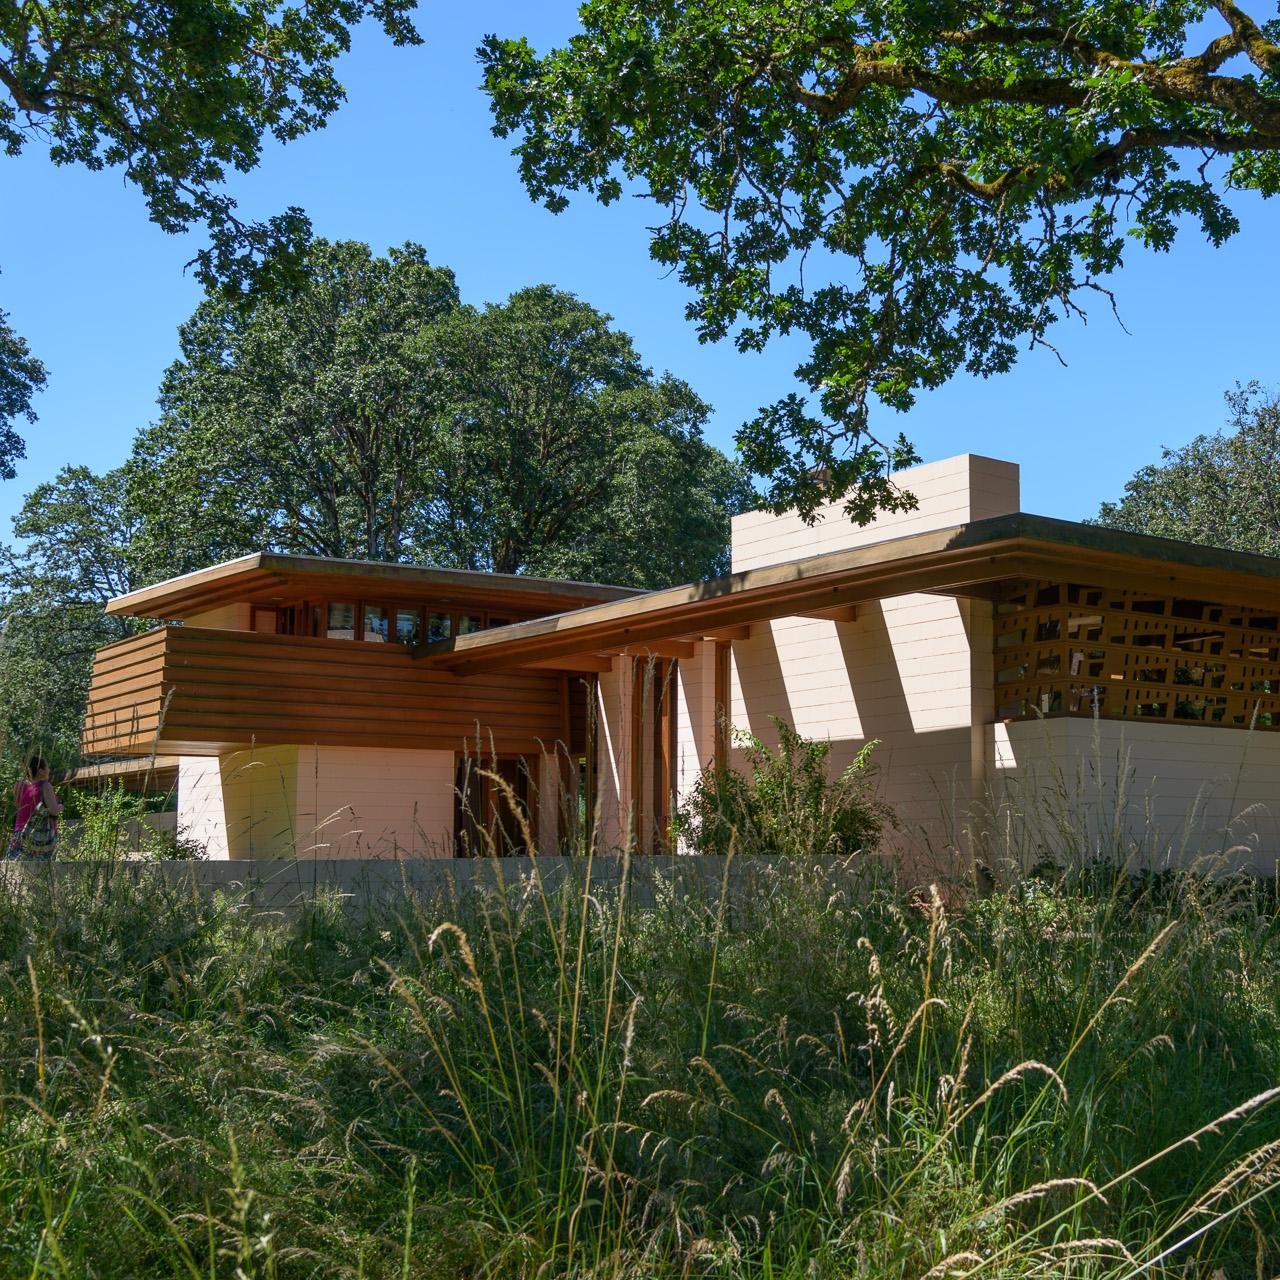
(263, 574)
(963, 559)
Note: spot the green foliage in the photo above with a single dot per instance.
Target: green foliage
(175, 96)
(918, 189)
(561, 455)
(801, 1080)
(302, 422)
(101, 825)
(368, 414)
(1218, 490)
(77, 537)
(786, 803)
(21, 376)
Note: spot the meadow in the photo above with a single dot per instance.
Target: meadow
(1067, 1078)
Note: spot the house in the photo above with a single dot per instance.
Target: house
(1008, 664)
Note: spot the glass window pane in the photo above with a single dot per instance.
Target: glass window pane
(498, 622)
(467, 623)
(407, 626)
(342, 622)
(375, 623)
(439, 627)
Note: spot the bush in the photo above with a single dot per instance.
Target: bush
(787, 803)
(112, 822)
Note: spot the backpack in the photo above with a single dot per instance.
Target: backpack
(40, 833)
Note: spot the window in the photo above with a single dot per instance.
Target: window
(342, 622)
(375, 623)
(439, 627)
(408, 625)
(469, 622)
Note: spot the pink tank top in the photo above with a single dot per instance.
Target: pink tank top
(28, 798)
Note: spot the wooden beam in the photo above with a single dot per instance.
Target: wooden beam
(661, 649)
(741, 632)
(631, 630)
(594, 663)
(840, 613)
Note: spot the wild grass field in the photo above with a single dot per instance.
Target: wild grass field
(811, 1080)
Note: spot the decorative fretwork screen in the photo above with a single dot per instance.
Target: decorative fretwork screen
(1069, 649)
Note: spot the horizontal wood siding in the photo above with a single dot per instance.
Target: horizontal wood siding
(193, 689)
(126, 695)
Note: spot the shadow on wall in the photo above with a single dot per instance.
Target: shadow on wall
(841, 682)
(276, 802)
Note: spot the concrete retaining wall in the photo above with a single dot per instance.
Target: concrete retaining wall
(281, 887)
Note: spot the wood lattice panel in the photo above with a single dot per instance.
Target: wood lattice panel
(1072, 649)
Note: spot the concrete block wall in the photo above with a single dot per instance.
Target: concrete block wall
(374, 803)
(695, 695)
(1152, 795)
(240, 805)
(904, 671)
(949, 492)
(614, 800)
(325, 802)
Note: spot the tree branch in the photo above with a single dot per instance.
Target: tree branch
(1262, 53)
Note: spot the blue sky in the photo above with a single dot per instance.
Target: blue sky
(99, 292)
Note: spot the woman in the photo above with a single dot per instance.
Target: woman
(35, 838)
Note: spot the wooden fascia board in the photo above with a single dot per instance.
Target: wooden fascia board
(785, 595)
(250, 578)
(581, 663)
(149, 601)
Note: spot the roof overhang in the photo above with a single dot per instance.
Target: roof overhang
(151, 773)
(964, 560)
(267, 577)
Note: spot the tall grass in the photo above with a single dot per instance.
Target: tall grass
(818, 1077)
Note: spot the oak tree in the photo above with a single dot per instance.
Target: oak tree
(560, 454)
(1220, 489)
(176, 96)
(919, 187)
(303, 420)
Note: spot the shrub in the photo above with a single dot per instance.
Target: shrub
(787, 803)
(112, 822)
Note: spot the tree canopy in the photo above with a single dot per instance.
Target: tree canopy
(175, 95)
(917, 188)
(1220, 489)
(77, 532)
(367, 413)
(303, 420)
(560, 454)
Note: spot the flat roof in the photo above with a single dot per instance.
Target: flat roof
(265, 577)
(965, 559)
